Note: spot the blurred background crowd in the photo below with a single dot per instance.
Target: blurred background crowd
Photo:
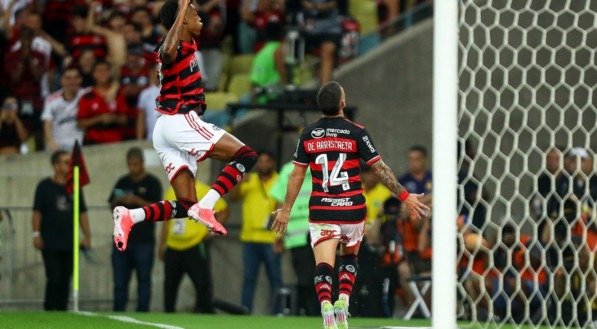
(86, 70)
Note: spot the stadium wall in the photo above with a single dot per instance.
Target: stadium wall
(19, 176)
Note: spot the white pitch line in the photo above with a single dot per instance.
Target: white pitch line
(128, 319)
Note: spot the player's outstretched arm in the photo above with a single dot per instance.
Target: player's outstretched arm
(295, 181)
(387, 177)
(172, 39)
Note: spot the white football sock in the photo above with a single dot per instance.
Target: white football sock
(138, 215)
(345, 297)
(210, 199)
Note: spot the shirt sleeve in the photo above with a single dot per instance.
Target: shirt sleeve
(82, 112)
(367, 150)
(39, 197)
(113, 191)
(46, 115)
(300, 156)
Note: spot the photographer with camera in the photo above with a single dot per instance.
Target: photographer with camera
(12, 130)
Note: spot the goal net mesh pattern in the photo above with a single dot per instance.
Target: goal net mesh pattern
(527, 122)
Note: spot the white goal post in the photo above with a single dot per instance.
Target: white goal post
(515, 87)
(445, 91)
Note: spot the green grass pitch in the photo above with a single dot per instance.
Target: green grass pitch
(70, 320)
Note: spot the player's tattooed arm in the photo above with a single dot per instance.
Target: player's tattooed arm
(417, 209)
(172, 39)
(387, 177)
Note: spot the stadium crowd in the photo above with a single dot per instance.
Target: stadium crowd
(85, 69)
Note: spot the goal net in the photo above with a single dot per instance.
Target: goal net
(527, 127)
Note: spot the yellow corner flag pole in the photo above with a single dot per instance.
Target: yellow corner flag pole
(76, 238)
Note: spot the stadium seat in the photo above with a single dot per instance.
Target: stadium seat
(216, 101)
(419, 285)
(240, 85)
(241, 64)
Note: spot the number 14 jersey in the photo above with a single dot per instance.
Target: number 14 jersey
(332, 147)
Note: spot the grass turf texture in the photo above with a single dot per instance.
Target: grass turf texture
(69, 320)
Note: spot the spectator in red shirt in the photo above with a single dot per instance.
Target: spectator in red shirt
(103, 110)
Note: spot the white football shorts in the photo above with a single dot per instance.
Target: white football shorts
(182, 140)
(349, 234)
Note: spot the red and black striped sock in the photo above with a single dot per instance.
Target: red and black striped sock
(166, 210)
(347, 274)
(242, 161)
(323, 281)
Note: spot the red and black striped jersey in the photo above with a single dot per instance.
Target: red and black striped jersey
(333, 147)
(181, 86)
(80, 42)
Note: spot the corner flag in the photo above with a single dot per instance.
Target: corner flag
(77, 160)
(77, 177)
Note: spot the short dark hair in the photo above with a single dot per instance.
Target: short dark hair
(56, 156)
(266, 153)
(168, 13)
(328, 98)
(102, 62)
(134, 152)
(419, 148)
(72, 68)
